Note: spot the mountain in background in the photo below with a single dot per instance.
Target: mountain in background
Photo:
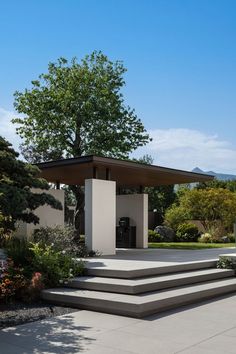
(220, 176)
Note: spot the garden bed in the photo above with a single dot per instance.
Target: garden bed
(19, 313)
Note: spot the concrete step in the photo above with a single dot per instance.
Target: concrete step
(142, 285)
(137, 269)
(139, 305)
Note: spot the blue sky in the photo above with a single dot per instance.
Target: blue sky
(180, 56)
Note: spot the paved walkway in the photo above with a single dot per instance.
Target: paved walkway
(209, 328)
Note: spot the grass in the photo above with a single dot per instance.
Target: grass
(189, 245)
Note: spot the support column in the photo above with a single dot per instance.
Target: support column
(100, 216)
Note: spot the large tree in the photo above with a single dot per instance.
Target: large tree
(214, 207)
(75, 109)
(17, 199)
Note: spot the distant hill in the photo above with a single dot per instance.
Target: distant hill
(220, 176)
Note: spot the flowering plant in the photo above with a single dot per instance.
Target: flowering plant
(12, 280)
(57, 267)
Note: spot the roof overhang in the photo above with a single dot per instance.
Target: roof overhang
(126, 173)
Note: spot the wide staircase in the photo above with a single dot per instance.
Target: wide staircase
(142, 292)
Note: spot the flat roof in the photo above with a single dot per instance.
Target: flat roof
(125, 173)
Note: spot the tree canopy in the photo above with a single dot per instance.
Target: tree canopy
(17, 199)
(76, 109)
(214, 207)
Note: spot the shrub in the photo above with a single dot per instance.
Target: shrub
(174, 216)
(206, 238)
(226, 263)
(187, 232)
(62, 238)
(153, 236)
(231, 237)
(211, 238)
(19, 251)
(12, 281)
(36, 285)
(57, 267)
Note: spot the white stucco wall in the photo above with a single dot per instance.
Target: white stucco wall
(100, 215)
(135, 206)
(47, 215)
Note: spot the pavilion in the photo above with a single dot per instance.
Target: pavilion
(104, 179)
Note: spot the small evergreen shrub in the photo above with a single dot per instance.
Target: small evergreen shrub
(187, 232)
(226, 263)
(153, 236)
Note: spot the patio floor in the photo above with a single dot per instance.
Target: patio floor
(131, 259)
(209, 328)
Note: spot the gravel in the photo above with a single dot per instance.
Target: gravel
(18, 313)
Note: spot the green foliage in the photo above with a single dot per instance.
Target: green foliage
(226, 263)
(231, 237)
(56, 266)
(215, 183)
(153, 236)
(78, 109)
(175, 216)
(12, 281)
(62, 238)
(159, 198)
(17, 200)
(18, 250)
(187, 232)
(214, 207)
(2, 229)
(206, 238)
(212, 238)
(145, 159)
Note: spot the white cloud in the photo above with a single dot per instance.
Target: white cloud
(186, 149)
(7, 129)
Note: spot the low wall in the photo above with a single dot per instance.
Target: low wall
(48, 216)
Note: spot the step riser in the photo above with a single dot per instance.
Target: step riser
(134, 310)
(139, 289)
(138, 273)
(185, 300)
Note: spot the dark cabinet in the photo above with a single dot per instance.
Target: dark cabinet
(126, 237)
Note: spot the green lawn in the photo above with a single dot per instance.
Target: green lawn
(189, 245)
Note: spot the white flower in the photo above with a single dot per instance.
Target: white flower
(63, 252)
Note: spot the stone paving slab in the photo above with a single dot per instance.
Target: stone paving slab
(204, 329)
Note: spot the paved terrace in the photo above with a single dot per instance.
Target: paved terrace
(206, 328)
(134, 259)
